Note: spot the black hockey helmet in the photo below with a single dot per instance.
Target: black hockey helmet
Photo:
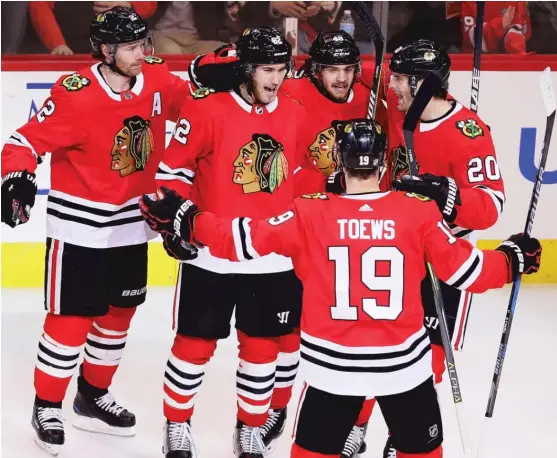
(361, 144)
(263, 45)
(334, 48)
(420, 58)
(118, 25)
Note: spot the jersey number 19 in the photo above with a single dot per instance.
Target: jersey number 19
(394, 283)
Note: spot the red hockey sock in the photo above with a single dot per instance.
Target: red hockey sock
(59, 350)
(105, 346)
(299, 452)
(437, 453)
(255, 378)
(365, 413)
(184, 375)
(288, 361)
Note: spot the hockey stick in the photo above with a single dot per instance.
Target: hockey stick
(549, 102)
(431, 86)
(376, 36)
(478, 41)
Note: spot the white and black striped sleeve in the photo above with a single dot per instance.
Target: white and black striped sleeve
(182, 174)
(498, 197)
(243, 243)
(468, 271)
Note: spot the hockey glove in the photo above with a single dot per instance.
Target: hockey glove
(169, 214)
(220, 70)
(336, 182)
(443, 190)
(523, 253)
(176, 248)
(18, 197)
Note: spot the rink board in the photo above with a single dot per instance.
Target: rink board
(517, 130)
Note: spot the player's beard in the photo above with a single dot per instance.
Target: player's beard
(339, 91)
(133, 69)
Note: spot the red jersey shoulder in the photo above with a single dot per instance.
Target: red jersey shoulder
(469, 125)
(297, 88)
(74, 83)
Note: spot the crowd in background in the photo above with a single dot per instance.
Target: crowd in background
(184, 27)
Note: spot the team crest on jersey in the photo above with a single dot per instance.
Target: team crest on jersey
(203, 92)
(417, 196)
(153, 60)
(322, 151)
(316, 195)
(470, 128)
(133, 144)
(261, 165)
(399, 163)
(75, 82)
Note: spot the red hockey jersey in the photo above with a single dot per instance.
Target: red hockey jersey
(105, 149)
(361, 259)
(493, 31)
(233, 159)
(321, 114)
(458, 145)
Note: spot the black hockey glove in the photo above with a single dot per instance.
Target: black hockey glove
(169, 214)
(336, 182)
(523, 253)
(176, 248)
(443, 190)
(18, 197)
(220, 70)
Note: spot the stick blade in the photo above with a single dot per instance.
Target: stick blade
(548, 95)
(430, 87)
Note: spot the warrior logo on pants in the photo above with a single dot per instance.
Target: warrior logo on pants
(260, 165)
(132, 146)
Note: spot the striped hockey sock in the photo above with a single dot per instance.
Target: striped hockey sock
(288, 361)
(255, 377)
(184, 375)
(59, 349)
(105, 346)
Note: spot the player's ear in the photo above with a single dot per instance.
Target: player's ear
(106, 52)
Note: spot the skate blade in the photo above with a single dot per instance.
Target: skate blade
(51, 449)
(94, 425)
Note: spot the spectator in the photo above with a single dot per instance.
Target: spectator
(14, 24)
(63, 27)
(544, 27)
(506, 27)
(176, 31)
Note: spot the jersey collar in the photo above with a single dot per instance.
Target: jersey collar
(136, 89)
(364, 196)
(426, 126)
(259, 108)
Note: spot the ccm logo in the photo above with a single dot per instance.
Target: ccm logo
(134, 292)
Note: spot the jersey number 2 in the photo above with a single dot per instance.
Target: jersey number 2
(394, 283)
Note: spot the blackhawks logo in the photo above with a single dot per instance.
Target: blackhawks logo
(323, 149)
(316, 195)
(470, 128)
(153, 60)
(75, 82)
(202, 92)
(132, 146)
(261, 165)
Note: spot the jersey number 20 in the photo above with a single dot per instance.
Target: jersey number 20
(394, 283)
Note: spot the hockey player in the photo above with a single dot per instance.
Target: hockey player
(105, 129)
(458, 170)
(235, 152)
(361, 257)
(331, 92)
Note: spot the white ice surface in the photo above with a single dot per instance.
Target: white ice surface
(524, 425)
